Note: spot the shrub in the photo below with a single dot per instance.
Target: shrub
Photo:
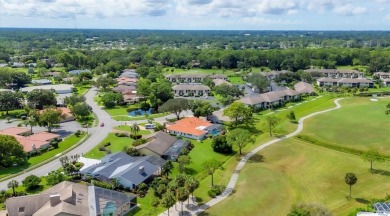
(135, 137)
(218, 189)
(107, 144)
(131, 109)
(31, 182)
(159, 127)
(211, 194)
(145, 106)
(78, 133)
(20, 124)
(120, 134)
(139, 142)
(102, 148)
(220, 145)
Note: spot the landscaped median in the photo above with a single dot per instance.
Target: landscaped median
(63, 147)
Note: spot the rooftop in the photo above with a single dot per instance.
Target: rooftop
(57, 88)
(190, 125)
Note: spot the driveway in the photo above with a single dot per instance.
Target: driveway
(97, 135)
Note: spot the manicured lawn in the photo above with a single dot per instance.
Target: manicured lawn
(118, 110)
(81, 90)
(293, 172)
(117, 144)
(127, 128)
(62, 146)
(130, 118)
(236, 80)
(360, 124)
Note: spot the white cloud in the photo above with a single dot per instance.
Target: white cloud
(265, 21)
(350, 10)
(84, 8)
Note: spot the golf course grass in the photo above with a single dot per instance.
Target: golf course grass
(359, 124)
(293, 171)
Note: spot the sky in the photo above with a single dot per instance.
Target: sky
(198, 14)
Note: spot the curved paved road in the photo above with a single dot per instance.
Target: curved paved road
(97, 135)
(194, 210)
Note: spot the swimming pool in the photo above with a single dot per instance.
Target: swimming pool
(140, 112)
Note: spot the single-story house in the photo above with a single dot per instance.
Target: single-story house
(193, 128)
(59, 89)
(129, 73)
(190, 90)
(126, 81)
(67, 114)
(78, 72)
(271, 99)
(41, 82)
(218, 82)
(128, 171)
(18, 65)
(30, 142)
(336, 73)
(273, 74)
(130, 96)
(304, 88)
(123, 88)
(193, 77)
(68, 198)
(53, 74)
(163, 145)
(345, 82)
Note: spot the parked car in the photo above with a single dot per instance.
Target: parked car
(150, 126)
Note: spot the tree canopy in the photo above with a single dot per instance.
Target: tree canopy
(10, 100)
(11, 151)
(175, 106)
(238, 112)
(40, 98)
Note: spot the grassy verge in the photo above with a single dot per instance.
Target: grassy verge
(128, 129)
(33, 162)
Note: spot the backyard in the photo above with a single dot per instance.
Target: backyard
(293, 171)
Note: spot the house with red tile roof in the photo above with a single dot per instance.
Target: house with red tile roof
(193, 128)
(30, 142)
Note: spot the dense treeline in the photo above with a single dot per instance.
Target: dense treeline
(211, 49)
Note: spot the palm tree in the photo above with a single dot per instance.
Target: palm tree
(13, 184)
(32, 122)
(168, 200)
(191, 185)
(134, 129)
(350, 179)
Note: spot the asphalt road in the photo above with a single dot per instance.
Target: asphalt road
(98, 134)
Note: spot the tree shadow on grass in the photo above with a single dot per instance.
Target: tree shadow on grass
(363, 201)
(380, 172)
(191, 171)
(257, 158)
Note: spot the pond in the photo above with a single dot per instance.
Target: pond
(140, 112)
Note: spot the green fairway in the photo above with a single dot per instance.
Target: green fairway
(360, 124)
(293, 171)
(117, 144)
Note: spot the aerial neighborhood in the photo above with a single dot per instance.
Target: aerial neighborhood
(97, 125)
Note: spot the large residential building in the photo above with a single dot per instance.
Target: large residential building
(128, 171)
(190, 90)
(30, 142)
(126, 81)
(163, 145)
(218, 82)
(193, 78)
(273, 74)
(41, 82)
(336, 73)
(68, 198)
(59, 89)
(271, 99)
(345, 82)
(193, 127)
(304, 88)
(384, 77)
